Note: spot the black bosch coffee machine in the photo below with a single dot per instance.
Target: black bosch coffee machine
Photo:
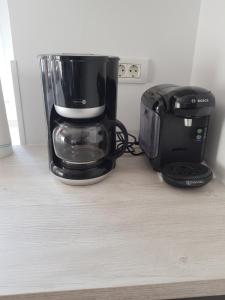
(80, 94)
(173, 132)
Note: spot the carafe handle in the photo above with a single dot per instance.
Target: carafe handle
(118, 152)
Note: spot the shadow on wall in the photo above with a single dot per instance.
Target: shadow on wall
(216, 137)
(213, 77)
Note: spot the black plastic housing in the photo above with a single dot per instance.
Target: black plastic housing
(163, 135)
(79, 81)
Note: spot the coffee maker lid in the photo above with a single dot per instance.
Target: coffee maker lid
(79, 56)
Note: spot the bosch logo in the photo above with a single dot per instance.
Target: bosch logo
(203, 100)
(193, 100)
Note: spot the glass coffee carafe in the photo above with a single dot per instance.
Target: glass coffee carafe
(86, 143)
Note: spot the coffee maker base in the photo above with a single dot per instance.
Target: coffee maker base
(80, 182)
(83, 176)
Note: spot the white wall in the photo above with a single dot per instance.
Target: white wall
(163, 30)
(209, 71)
(6, 52)
(6, 56)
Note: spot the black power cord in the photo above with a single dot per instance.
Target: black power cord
(133, 144)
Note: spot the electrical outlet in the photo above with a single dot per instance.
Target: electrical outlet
(133, 70)
(121, 70)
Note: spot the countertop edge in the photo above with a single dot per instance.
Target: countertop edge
(154, 291)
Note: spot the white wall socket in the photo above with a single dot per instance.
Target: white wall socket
(133, 70)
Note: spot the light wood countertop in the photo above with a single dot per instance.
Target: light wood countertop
(130, 236)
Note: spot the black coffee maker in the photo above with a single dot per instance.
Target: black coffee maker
(80, 94)
(173, 132)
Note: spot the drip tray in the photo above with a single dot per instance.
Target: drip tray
(186, 174)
